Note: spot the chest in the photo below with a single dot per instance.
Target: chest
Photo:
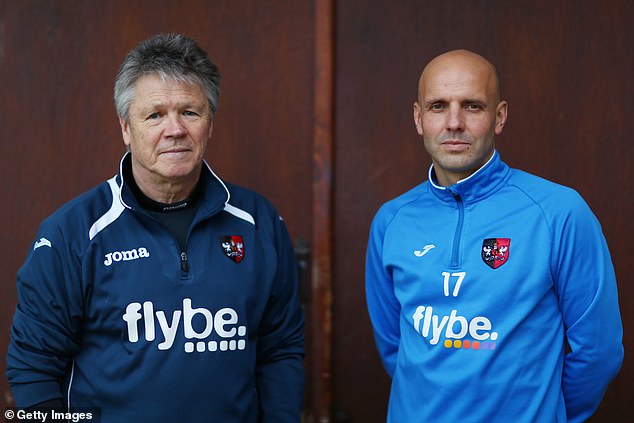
(146, 291)
(469, 257)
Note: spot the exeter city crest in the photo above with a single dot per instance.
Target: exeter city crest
(495, 251)
(233, 247)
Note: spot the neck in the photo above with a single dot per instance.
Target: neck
(447, 178)
(159, 207)
(167, 194)
(163, 190)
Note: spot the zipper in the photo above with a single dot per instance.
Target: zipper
(184, 262)
(183, 256)
(455, 253)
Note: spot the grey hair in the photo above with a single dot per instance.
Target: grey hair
(169, 56)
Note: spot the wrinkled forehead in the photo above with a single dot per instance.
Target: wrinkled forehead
(154, 90)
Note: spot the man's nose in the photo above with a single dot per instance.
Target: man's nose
(455, 118)
(175, 126)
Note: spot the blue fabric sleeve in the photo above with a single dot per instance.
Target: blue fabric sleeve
(279, 367)
(48, 316)
(383, 307)
(588, 299)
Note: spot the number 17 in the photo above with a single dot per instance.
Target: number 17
(456, 289)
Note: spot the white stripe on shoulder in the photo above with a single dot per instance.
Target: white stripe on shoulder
(111, 215)
(239, 213)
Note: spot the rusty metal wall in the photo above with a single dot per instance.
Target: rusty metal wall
(566, 70)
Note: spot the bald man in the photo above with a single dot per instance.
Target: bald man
(491, 291)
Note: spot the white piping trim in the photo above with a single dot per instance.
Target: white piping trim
(70, 383)
(122, 180)
(219, 180)
(239, 213)
(228, 207)
(111, 215)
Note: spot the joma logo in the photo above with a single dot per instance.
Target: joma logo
(133, 254)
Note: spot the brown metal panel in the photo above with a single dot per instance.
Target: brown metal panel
(566, 70)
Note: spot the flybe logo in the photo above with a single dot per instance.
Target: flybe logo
(458, 331)
(455, 330)
(134, 254)
(202, 329)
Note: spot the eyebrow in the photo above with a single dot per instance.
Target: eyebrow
(463, 101)
(434, 101)
(184, 105)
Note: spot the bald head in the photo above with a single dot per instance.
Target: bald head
(459, 113)
(447, 64)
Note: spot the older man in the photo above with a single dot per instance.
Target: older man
(491, 291)
(163, 294)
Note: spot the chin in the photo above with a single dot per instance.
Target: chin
(455, 162)
(180, 171)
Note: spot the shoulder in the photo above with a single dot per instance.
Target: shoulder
(544, 192)
(254, 208)
(66, 232)
(561, 206)
(390, 209)
(248, 199)
(79, 214)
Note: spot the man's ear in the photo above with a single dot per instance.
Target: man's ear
(501, 113)
(125, 131)
(418, 118)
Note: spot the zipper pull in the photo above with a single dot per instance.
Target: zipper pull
(184, 263)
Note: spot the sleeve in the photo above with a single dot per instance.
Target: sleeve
(44, 333)
(383, 306)
(588, 299)
(279, 367)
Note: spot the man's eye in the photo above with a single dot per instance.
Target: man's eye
(436, 106)
(189, 113)
(153, 116)
(473, 107)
